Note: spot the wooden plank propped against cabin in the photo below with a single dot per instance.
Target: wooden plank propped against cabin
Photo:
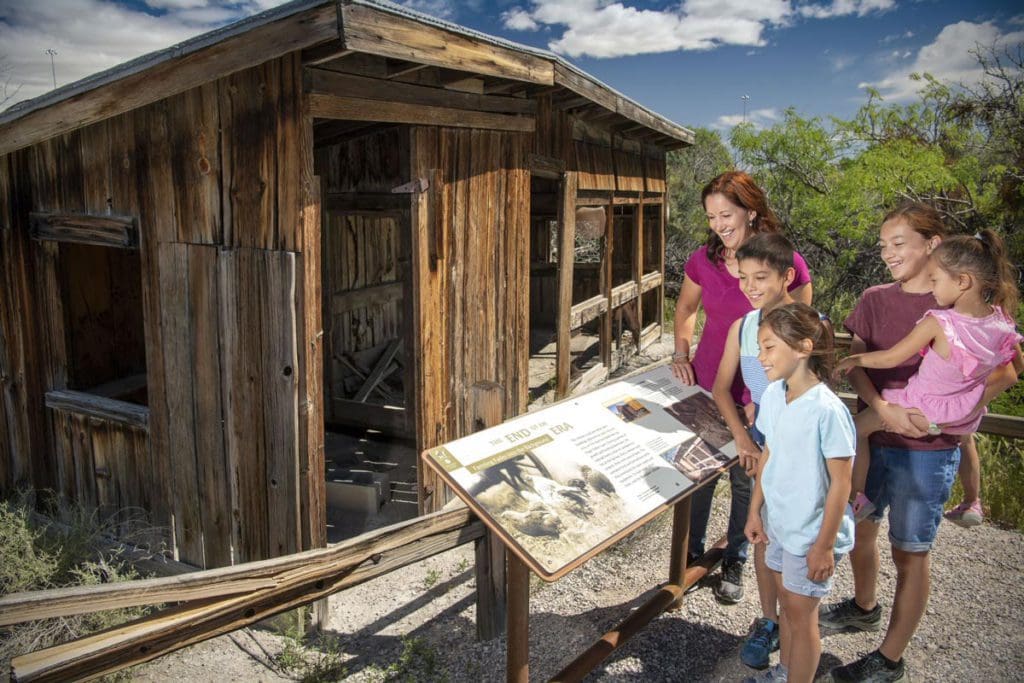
(322, 81)
(173, 75)
(361, 109)
(85, 228)
(380, 370)
(379, 32)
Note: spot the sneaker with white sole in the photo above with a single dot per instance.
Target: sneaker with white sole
(773, 674)
(871, 668)
(848, 614)
(730, 586)
(966, 514)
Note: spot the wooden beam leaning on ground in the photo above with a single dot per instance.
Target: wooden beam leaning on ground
(370, 547)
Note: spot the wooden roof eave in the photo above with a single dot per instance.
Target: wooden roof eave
(366, 26)
(396, 32)
(150, 78)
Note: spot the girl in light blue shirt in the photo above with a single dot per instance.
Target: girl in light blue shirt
(799, 504)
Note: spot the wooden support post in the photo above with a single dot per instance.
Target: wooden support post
(662, 219)
(638, 269)
(566, 258)
(606, 284)
(488, 408)
(680, 546)
(517, 665)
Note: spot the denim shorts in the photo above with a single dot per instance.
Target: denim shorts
(793, 568)
(915, 486)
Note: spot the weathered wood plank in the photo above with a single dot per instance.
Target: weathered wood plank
(429, 325)
(588, 310)
(194, 131)
(210, 583)
(177, 345)
(172, 76)
(322, 81)
(111, 410)
(84, 228)
(311, 354)
(173, 629)
(248, 101)
(379, 32)
(360, 109)
(213, 474)
(280, 399)
(566, 259)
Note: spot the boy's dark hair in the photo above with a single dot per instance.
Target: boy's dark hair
(772, 248)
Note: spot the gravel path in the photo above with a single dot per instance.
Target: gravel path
(973, 630)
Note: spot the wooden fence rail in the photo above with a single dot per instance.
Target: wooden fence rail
(291, 582)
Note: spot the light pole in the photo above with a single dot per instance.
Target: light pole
(53, 69)
(744, 98)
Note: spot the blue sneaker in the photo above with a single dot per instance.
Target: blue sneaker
(760, 643)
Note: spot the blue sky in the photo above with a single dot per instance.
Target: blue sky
(690, 60)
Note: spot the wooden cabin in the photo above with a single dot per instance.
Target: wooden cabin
(329, 215)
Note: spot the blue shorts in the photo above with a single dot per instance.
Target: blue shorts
(915, 486)
(793, 567)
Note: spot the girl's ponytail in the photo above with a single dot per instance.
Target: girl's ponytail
(1005, 293)
(984, 258)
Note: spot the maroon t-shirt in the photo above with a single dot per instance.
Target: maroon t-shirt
(884, 315)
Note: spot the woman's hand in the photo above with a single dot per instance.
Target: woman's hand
(749, 453)
(820, 563)
(683, 370)
(896, 419)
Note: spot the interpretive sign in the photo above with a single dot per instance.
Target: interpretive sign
(561, 484)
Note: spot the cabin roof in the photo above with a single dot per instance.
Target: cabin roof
(50, 114)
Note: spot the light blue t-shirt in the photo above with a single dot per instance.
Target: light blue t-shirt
(800, 436)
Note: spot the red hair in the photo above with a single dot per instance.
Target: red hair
(740, 189)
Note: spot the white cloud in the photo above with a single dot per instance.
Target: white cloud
(896, 36)
(519, 19)
(600, 28)
(607, 28)
(759, 118)
(948, 58)
(842, 8)
(93, 35)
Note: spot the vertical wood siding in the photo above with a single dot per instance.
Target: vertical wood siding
(220, 180)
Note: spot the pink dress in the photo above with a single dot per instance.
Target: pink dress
(947, 390)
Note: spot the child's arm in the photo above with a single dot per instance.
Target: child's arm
(721, 392)
(895, 418)
(923, 334)
(754, 529)
(820, 559)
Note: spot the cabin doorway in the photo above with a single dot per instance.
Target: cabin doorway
(369, 445)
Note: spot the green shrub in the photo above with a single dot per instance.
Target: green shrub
(40, 554)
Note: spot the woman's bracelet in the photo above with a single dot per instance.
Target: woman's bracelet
(685, 357)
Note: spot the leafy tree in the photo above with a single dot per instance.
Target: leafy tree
(689, 170)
